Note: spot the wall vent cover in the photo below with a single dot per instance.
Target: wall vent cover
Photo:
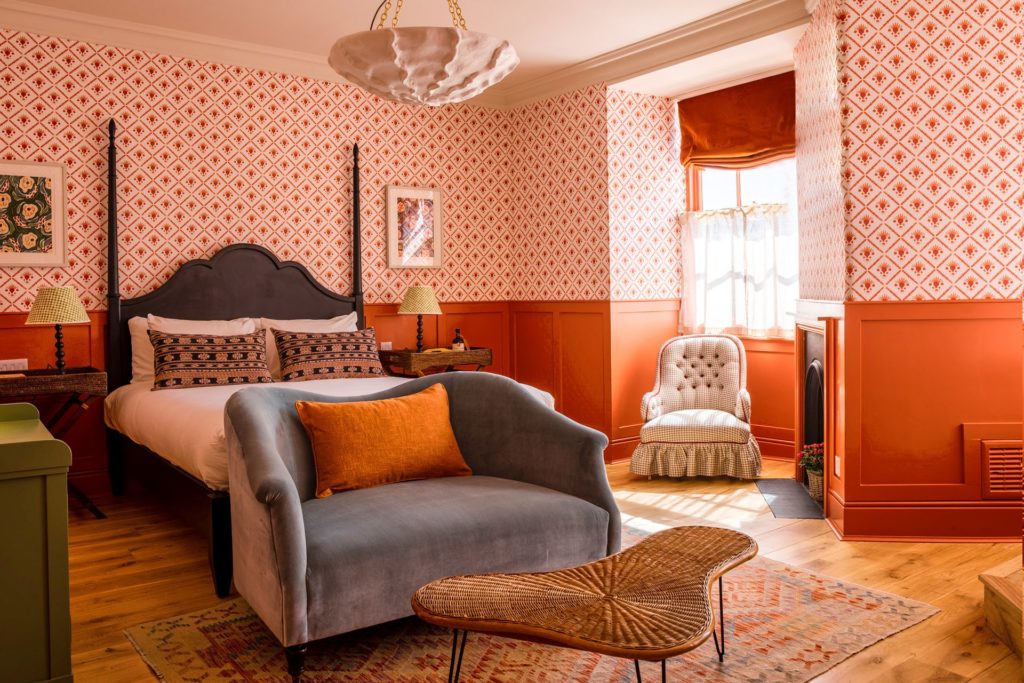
(1001, 468)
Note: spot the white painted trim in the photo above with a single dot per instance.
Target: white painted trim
(748, 21)
(811, 311)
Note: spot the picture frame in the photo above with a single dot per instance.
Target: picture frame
(33, 214)
(414, 230)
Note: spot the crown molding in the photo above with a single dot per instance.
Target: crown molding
(748, 21)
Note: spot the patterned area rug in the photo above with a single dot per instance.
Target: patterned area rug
(782, 624)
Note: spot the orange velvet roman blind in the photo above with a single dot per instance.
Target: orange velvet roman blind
(742, 126)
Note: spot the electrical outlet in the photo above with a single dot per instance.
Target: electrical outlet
(13, 364)
(385, 346)
(837, 465)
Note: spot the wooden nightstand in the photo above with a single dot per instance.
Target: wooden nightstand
(409, 363)
(78, 387)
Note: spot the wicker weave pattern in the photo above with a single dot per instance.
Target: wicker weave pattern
(650, 601)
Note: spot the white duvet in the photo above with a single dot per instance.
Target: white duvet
(186, 426)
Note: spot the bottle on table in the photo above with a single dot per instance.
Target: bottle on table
(458, 344)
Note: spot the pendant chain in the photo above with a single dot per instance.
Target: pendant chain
(458, 21)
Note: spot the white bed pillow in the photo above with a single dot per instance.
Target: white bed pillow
(341, 323)
(142, 347)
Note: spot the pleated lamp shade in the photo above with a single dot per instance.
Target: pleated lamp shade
(57, 306)
(420, 300)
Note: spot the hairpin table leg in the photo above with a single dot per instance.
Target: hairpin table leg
(636, 665)
(720, 644)
(455, 666)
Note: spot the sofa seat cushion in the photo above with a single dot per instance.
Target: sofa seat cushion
(368, 550)
(696, 426)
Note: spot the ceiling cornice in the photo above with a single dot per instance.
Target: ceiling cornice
(748, 21)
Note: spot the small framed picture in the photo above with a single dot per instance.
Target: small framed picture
(33, 214)
(414, 227)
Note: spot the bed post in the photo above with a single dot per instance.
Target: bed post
(357, 252)
(115, 454)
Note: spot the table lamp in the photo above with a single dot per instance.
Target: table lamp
(419, 301)
(57, 306)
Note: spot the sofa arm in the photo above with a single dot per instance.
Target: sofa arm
(650, 406)
(743, 405)
(267, 528)
(505, 431)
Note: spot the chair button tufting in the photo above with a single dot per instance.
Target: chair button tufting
(693, 386)
(721, 386)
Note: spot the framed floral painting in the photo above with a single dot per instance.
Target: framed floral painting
(33, 218)
(414, 227)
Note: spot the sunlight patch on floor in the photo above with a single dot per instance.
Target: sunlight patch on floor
(732, 508)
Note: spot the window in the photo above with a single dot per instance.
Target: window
(773, 183)
(740, 251)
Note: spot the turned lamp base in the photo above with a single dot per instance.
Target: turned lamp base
(58, 334)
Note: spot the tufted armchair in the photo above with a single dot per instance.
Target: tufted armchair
(697, 418)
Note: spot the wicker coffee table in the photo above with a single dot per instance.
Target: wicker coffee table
(649, 602)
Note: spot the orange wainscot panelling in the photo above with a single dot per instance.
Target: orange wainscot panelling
(639, 328)
(84, 345)
(770, 364)
(482, 324)
(563, 348)
(922, 383)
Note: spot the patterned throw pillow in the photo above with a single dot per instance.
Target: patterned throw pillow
(199, 360)
(326, 355)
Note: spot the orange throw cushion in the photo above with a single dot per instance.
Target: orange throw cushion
(368, 443)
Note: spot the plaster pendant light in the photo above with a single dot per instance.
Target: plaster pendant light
(430, 65)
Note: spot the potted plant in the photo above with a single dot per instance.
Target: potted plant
(812, 459)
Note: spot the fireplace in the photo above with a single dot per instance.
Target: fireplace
(811, 393)
(813, 409)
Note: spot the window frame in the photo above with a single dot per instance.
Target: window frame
(694, 200)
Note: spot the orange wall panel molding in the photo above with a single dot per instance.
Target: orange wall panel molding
(563, 348)
(918, 378)
(84, 345)
(639, 328)
(770, 374)
(482, 324)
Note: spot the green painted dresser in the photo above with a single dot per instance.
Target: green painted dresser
(35, 616)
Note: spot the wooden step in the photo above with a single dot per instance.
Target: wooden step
(1003, 596)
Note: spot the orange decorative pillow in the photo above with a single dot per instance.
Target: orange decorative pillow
(369, 443)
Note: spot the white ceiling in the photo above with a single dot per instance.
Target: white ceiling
(560, 44)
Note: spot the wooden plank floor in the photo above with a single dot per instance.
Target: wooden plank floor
(141, 564)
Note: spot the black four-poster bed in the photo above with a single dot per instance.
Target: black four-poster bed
(240, 280)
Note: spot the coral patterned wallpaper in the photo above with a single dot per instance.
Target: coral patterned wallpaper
(559, 196)
(646, 191)
(933, 109)
(819, 159)
(211, 155)
(931, 103)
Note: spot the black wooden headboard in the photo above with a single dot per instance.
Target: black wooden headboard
(240, 280)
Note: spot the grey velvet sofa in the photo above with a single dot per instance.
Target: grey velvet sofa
(313, 568)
